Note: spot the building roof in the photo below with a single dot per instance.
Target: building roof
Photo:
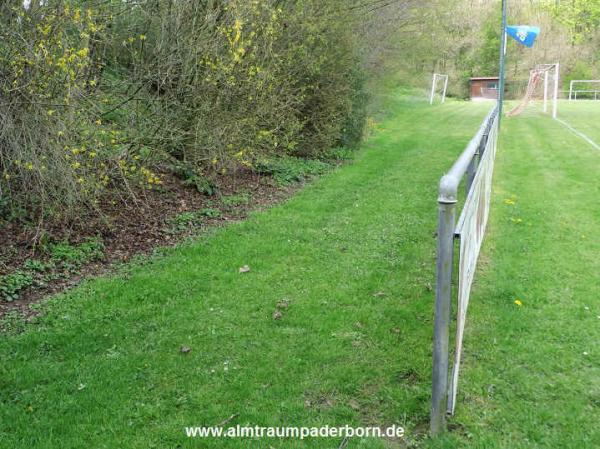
(485, 78)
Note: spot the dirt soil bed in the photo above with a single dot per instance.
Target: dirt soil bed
(132, 228)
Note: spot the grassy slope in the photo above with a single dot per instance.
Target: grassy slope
(527, 382)
(104, 365)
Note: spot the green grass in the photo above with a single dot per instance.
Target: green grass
(353, 254)
(583, 116)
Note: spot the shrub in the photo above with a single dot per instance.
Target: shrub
(103, 96)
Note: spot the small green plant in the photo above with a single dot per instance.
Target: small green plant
(191, 177)
(12, 284)
(187, 220)
(205, 186)
(292, 169)
(183, 222)
(73, 256)
(37, 266)
(236, 200)
(210, 212)
(339, 154)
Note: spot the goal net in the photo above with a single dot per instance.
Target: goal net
(538, 86)
(440, 84)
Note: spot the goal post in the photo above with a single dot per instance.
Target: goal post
(573, 92)
(434, 87)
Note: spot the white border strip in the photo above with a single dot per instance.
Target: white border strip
(580, 134)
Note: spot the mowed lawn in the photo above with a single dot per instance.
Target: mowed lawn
(531, 376)
(349, 262)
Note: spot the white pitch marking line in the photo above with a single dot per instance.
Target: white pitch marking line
(580, 134)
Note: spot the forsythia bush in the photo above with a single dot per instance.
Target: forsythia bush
(101, 96)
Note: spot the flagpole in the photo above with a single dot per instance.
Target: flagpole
(502, 62)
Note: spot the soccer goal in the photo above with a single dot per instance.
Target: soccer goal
(589, 91)
(437, 78)
(540, 77)
(475, 165)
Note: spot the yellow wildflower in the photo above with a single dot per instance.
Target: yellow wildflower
(518, 302)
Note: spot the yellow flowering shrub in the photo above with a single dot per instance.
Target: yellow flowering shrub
(101, 97)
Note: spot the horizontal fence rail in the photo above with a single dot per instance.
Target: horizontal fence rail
(475, 165)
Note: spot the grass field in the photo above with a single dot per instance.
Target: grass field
(583, 116)
(347, 267)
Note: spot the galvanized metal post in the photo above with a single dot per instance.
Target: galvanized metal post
(443, 298)
(503, 37)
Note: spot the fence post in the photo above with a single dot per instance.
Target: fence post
(443, 299)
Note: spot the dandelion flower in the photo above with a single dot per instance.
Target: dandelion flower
(518, 302)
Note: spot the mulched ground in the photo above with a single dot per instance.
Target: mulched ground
(132, 228)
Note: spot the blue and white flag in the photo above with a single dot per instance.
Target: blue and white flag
(524, 35)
